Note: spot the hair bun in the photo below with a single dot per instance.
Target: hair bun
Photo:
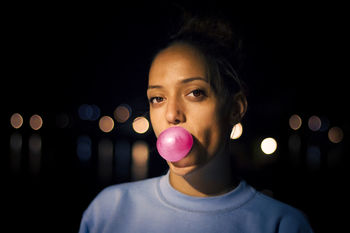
(207, 28)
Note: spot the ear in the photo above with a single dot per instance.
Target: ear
(239, 108)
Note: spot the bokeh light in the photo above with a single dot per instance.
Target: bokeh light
(268, 145)
(105, 160)
(313, 157)
(335, 134)
(106, 124)
(34, 157)
(16, 142)
(237, 131)
(96, 112)
(122, 152)
(89, 112)
(295, 122)
(36, 122)
(324, 124)
(16, 120)
(85, 111)
(34, 144)
(140, 155)
(84, 148)
(140, 125)
(314, 123)
(294, 144)
(122, 113)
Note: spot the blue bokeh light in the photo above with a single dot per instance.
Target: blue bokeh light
(84, 148)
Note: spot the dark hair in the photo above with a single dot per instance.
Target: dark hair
(213, 37)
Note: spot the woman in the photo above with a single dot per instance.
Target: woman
(193, 85)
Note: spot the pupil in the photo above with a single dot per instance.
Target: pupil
(196, 93)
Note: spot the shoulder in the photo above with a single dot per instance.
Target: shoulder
(116, 192)
(114, 196)
(274, 204)
(113, 201)
(287, 217)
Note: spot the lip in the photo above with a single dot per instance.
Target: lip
(182, 163)
(187, 161)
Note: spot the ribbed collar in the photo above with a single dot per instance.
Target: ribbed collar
(226, 202)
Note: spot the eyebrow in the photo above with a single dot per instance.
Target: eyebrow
(183, 81)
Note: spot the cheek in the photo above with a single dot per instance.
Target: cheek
(156, 122)
(211, 139)
(208, 130)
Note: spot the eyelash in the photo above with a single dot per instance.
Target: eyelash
(201, 92)
(153, 98)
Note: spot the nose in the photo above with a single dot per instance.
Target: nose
(174, 112)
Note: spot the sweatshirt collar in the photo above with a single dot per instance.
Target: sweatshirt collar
(226, 202)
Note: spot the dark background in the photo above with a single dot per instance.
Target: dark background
(56, 57)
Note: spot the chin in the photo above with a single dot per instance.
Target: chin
(194, 160)
(186, 165)
(181, 170)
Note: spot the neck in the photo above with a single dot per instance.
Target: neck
(212, 179)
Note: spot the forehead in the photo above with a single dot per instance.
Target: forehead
(177, 61)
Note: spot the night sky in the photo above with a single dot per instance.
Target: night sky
(56, 57)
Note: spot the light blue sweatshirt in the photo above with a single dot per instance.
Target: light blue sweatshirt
(153, 205)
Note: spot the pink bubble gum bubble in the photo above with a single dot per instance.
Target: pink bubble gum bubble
(174, 143)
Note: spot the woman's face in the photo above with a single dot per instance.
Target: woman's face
(180, 95)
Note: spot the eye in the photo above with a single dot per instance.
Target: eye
(197, 93)
(156, 100)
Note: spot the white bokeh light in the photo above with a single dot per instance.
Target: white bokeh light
(268, 145)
